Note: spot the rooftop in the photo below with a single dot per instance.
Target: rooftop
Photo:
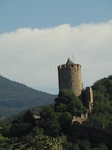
(69, 62)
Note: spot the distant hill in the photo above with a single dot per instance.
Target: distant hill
(15, 97)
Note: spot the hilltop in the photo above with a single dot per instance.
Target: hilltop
(15, 97)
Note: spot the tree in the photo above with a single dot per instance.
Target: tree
(68, 102)
(49, 121)
(65, 122)
(5, 142)
(66, 106)
(84, 144)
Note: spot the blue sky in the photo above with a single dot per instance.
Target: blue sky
(16, 14)
(38, 35)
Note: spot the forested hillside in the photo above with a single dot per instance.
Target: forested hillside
(54, 131)
(15, 97)
(103, 89)
(102, 106)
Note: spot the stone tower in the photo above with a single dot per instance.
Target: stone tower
(69, 76)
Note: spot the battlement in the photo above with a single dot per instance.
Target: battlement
(74, 66)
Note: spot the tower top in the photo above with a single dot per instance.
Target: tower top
(69, 62)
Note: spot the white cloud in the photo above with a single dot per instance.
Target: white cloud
(31, 56)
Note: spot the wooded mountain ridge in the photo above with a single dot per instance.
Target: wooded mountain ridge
(15, 97)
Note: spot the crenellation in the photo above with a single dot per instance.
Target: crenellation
(80, 119)
(59, 67)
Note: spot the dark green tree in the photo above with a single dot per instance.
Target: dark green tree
(66, 106)
(68, 102)
(102, 106)
(49, 121)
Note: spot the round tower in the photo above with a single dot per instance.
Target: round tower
(69, 76)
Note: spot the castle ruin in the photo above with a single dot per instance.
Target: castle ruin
(69, 76)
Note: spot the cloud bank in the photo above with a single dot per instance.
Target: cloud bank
(31, 56)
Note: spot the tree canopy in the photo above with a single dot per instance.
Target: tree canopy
(56, 119)
(102, 106)
(52, 130)
(67, 101)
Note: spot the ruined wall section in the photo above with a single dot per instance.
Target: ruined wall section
(70, 78)
(80, 119)
(88, 98)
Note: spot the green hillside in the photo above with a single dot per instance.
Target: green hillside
(103, 89)
(54, 131)
(102, 106)
(15, 97)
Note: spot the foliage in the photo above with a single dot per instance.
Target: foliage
(83, 144)
(65, 122)
(68, 102)
(49, 121)
(4, 141)
(56, 119)
(20, 126)
(104, 87)
(102, 107)
(69, 145)
(101, 147)
(66, 105)
(35, 138)
(51, 132)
